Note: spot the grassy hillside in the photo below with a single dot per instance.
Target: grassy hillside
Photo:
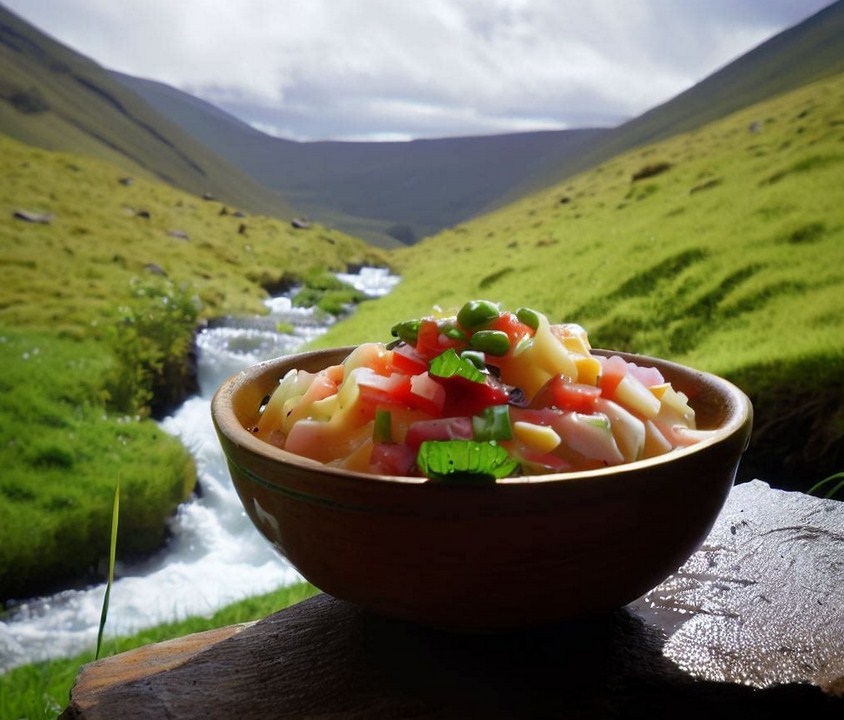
(722, 248)
(97, 309)
(52, 97)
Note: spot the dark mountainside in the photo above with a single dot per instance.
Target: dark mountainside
(406, 190)
(54, 98)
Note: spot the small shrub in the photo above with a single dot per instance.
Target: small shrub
(322, 289)
(150, 340)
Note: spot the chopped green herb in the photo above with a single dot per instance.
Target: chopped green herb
(492, 424)
(475, 357)
(449, 364)
(450, 330)
(529, 317)
(464, 461)
(382, 432)
(407, 330)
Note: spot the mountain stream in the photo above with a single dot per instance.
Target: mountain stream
(214, 557)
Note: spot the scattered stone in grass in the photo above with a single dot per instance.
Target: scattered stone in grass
(39, 218)
(155, 269)
(178, 234)
(300, 223)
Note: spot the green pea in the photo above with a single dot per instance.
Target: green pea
(493, 342)
(529, 317)
(476, 313)
(407, 330)
(476, 358)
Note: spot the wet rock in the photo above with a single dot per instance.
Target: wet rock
(762, 602)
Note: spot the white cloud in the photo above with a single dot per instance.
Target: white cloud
(359, 68)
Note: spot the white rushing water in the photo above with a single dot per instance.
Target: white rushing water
(215, 556)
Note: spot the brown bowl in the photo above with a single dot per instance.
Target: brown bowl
(525, 551)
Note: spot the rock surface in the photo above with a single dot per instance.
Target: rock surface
(762, 602)
(751, 626)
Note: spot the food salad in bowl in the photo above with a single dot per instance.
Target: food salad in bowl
(483, 394)
(484, 470)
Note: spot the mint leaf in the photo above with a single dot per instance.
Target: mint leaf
(449, 364)
(464, 461)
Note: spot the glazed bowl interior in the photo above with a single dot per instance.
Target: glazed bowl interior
(524, 551)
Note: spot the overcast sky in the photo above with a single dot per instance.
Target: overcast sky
(391, 69)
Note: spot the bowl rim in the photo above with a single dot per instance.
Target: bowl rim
(227, 424)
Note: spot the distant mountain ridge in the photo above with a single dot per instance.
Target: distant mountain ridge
(55, 98)
(390, 193)
(405, 189)
(413, 189)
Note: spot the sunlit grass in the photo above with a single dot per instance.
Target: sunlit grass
(829, 487)
(60, 455)
(729, 258)
(97, 312)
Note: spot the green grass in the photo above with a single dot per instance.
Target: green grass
(62, 456)
(730, 259)
(41, 690)
(97, 312)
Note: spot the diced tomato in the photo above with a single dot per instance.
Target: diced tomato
(507, 322)
(537, 416)
(613, 369)
(392, 459)
(376, 389)
(408, 360)
(452, 428)
(426, 394)
(430, 342)
(560, 392)
(466, 397)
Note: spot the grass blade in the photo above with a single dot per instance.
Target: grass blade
(816, 488)
(115, 511)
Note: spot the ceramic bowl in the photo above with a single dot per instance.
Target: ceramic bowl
(526, 551)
